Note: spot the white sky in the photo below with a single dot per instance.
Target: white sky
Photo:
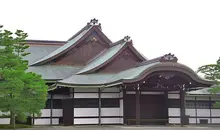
(188, 28)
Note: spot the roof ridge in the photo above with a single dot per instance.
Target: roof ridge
(45, 41)
(80, 31)
(125, 39)
(93, 22)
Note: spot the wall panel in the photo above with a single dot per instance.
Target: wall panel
(174, 120)
(86, 121)
(85, 95)
(85, 112)
(111, 120)
(174, 111)
(110, 111)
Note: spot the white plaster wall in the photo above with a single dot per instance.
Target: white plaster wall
(110, 111)
(82, 112)
(42, 121)
(206, 98)
(203, 112)
(57, 112)
(59, 96)
(191, 112)
(173, 96)
(85, 95)
(111, 121)
(121, 108)
(46, 121)
(86, 121)
(174, 120)
(85, 90)
(4, 121)
(44, 113)
(215, 112)
(174, 111)
(113, 89)
(189, 97)
(130, 92)
(216, 120)
(192, 120)
(152, 93)
(198, 120)
(121, 95)
(174, 92)
(110, 95)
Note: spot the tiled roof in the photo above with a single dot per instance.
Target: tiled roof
(62, 48)
(38, 52)
(54, 72)
(104, 79)
(204, 91)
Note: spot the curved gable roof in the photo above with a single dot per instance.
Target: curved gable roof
(70, 43)
(131, 75)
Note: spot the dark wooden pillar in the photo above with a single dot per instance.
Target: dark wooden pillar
(124, 105)
(210, 109)
(137, 106)
(166, 106)
(33, 118)
(182, 106)
(196, 109)
(99, 96)
(51, 109)
(72, 95)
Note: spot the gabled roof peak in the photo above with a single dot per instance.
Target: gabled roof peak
(169, 58)
(94, 22)
(127, 39)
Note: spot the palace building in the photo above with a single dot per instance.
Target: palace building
(93, 80)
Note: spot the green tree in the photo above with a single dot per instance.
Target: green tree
(21, 93)
(212, 72)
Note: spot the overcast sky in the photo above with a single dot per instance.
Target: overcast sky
(190, 29)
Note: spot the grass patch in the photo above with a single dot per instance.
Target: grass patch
(16, 126)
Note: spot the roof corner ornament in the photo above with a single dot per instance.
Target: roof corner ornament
(127, 38)
(169, 58)
(94, 22)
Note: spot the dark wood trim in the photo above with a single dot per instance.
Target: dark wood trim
(96, 92)
(182, 106)
(96, 124)
(98, 117)
(51, 109)
(210, 109)
(124, 100)
(196, 111)
(48, 117)
(99, 96)
(166, 105)
(33, 119)
(73, 104)
(137, 107)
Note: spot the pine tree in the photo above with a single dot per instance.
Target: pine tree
(21, 92)
(212, 72)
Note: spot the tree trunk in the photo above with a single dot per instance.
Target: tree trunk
(12, 119)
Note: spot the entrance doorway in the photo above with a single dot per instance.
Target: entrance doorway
(153, 109)
(67, 112)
